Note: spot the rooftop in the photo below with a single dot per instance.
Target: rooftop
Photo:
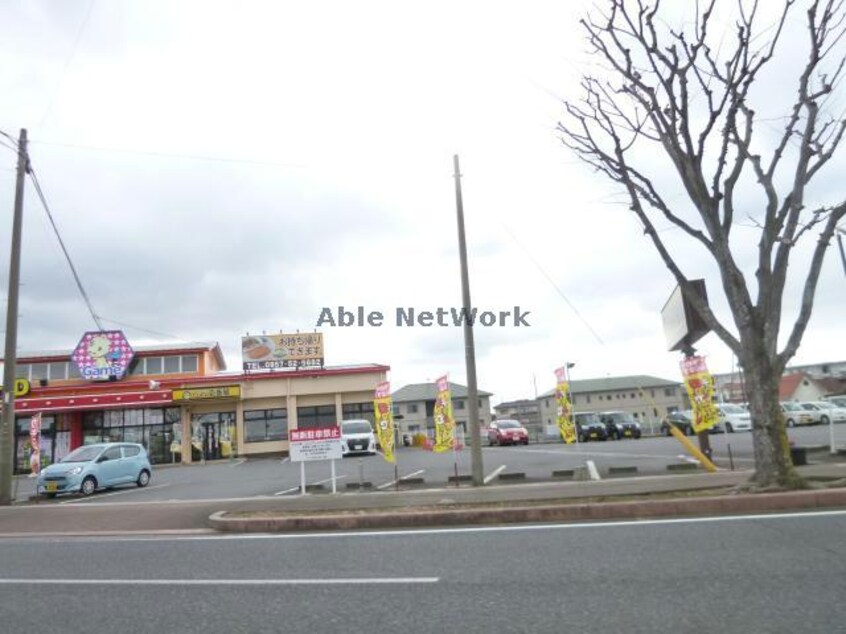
(609, 384)
(429, 391)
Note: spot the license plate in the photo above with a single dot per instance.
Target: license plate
(51, 486)
(627, 433)
(593, 435)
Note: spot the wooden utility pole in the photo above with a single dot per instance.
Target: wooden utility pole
(7, 427)
(469, 346)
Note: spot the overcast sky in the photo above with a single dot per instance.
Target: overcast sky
(218, 168)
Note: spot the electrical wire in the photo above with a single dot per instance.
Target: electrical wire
(43, 199)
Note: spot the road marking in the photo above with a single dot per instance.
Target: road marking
(297, 488)
(284, 460)
(105, 495)
(238, 461)
(401, 478)
(221, 582)
(616, 454)
(592, 470)
(495, 473)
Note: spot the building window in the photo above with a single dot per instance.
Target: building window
(39, 371)
(262, 425)
(358, 410)
(459, 405)
(58, 371)
(412, 408)
(669, 391)
(154, 365)
(171, 365)
(655, 412)
(633, 395)
(574, 399)
(587, 398)
(319, 416)
(395, 410)
(189, 363)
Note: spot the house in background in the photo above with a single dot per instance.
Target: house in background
(649, 399)
(527, 411)
(799, 386)
(416, 404)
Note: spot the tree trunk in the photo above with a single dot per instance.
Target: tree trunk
(773, 465)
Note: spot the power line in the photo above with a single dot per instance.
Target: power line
(169, 155)
(139, 328)
(43, 199)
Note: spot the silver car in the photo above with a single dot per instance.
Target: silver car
(92, 467)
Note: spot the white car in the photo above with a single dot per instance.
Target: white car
(357, 437)
(831, 413)
(817, 413)
(734, 418)
(839, 401)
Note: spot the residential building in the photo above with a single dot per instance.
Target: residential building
(525, 410)
(415, 404)
(649, 399)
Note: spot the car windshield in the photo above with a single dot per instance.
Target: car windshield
(791, 407)
(508, 424)
(83, 454)
(824, 405)
(810, 407)
(357, 427)
(732, 409)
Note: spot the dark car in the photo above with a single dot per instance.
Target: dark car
(620, 425)
(589, 427)
(682, 420)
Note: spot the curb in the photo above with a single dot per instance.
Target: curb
(728, 504)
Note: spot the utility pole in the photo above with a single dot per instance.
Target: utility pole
(469, 346)
(7, 427)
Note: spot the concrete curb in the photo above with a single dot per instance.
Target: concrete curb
(747, 503)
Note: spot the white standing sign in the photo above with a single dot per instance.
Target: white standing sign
(322, 443)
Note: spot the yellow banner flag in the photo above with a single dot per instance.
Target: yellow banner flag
(444, 422)
(700, 389)
(565, 410)
(384, 418)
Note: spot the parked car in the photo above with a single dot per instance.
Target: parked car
(839, 400)
(681, 419)
(357, 437)
(795, 414)
(620, 425)
(589, 426)
(831, 412)
(734, 418)
(92, 467)
(507, 432)
(818, 415)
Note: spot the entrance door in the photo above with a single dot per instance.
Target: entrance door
(211, 441)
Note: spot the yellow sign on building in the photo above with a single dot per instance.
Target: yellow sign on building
(193, 394)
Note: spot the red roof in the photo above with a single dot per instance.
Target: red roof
(788, 384)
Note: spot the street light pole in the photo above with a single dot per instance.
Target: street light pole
(10, 357)
(469, 346)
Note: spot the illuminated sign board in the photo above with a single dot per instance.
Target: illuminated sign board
(22, 388)
(276, 352)
(102, 355)
(193, 394)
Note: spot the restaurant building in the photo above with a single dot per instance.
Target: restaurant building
(179, 401)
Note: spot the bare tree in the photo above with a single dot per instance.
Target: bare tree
(686, 95)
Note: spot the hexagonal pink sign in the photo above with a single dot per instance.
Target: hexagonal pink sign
(103, 355)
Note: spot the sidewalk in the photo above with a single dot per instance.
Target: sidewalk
(541, 502)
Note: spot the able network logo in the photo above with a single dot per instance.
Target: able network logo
(358, 316)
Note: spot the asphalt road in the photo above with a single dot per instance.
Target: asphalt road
(761, 574)
(275, 477)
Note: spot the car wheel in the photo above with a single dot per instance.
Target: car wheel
(619, 435)
(825, 420)
(637, 435)
(526, 442)
(791, 422)
(89, 485)
(729, 428)
(52, 495)
(143, 478)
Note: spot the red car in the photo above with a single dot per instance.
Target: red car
(507, 432)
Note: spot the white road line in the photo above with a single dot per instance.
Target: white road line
(394, 482)
(238, 462)
(221, 582)
(592, 470)
(105, 495)
(495, 473)
(284, 460)
(614, 454)
(297, 488)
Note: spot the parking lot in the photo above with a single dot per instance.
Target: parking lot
(273, 476)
